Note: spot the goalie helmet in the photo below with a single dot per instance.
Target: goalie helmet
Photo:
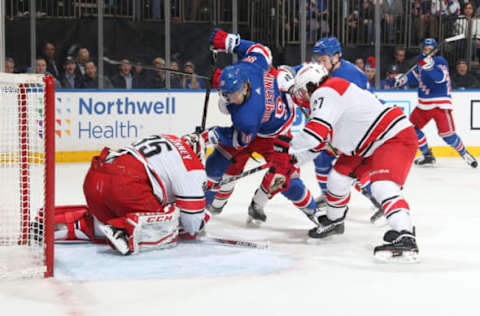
(308, 78)
(197, 143)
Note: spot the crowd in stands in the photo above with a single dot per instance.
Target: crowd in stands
(80, 72)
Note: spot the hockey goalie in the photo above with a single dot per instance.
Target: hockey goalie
(141, 197)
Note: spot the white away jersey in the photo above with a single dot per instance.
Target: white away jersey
(175, 172)
(348, 117)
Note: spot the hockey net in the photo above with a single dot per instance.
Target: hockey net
(27, 157)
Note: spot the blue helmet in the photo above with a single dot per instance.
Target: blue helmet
(429, 42)
(232, 79)
(327, 46)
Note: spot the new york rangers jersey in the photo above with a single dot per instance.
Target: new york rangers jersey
(175, 172)
(434, 87)
(265, 112)
(353, 120)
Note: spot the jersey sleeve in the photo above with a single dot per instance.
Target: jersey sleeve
(412, 78)
(326, 110)
(254, 53)
(237, 137)
(190, 199)
(439, 72)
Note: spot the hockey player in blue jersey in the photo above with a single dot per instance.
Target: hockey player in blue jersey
(434, 102)
(260, 113)
(328, 52)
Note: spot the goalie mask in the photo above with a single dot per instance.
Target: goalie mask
(307, 80)
(197, 143)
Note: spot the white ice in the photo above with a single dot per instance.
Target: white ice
(339, 276)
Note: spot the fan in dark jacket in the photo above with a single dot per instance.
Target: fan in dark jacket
(124, 78)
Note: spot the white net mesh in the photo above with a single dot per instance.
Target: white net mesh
(22, 172)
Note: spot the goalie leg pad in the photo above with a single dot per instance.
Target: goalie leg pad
(152, 231)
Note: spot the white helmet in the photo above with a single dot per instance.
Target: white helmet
(310, 74)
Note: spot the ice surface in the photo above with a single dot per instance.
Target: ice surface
(336, 277)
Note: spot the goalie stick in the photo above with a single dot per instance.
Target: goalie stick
(234, 243)
(148, 67)
(447, 40)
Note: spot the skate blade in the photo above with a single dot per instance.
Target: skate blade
(253, 223)
(406, 257)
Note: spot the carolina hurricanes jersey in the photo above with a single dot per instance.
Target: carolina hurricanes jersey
(175, 172)
(266, 112)
(434, 87)
(350, 118)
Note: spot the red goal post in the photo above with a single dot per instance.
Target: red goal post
(27, 171)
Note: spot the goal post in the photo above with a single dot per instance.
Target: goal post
(27, 172)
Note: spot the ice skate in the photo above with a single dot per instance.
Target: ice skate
(118, 238)
(401, 247)
(321, 201)
(470, 160)
(328, 227)
(426, 160)
(256, 215)
(215, 210)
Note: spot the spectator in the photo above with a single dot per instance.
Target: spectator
(141, 75)
(48, 52)
(463, 78)
(175, 79)
(9, 65)
(90, 80)
(41, 68)
(70, 80)
(360, 63)
(399, 60)
(392, 11)
(191, 82)
(124, 79)
(158, 78)
(317, 13)
(366, 14)
(83, 56)
(461, 26)
(389, 82)
(370, 70)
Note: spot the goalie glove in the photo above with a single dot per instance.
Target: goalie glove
(400, 80)
(224, 41)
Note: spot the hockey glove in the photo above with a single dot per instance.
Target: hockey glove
(216, 78)
(211, 135)
(427, 63)
(224, 41)
(400, 80)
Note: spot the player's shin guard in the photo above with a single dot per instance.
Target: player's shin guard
(221, 197)
(422, 142)
(302, 198)
(394, 206)
(455, 142)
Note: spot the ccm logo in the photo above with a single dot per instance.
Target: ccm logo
(159, 218)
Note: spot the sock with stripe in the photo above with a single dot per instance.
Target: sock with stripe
(456, 143)
(422, 142)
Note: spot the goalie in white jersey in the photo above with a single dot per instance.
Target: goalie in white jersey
(371, 138)
(145, 193)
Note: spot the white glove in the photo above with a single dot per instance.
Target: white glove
(427, 63)
(285, 80)
(211, 135)
(232, 41)
(400, 80)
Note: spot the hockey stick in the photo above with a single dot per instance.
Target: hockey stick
(119, 62)
(233, 242)
(433, 52)
(239, 176)
(213, 57)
